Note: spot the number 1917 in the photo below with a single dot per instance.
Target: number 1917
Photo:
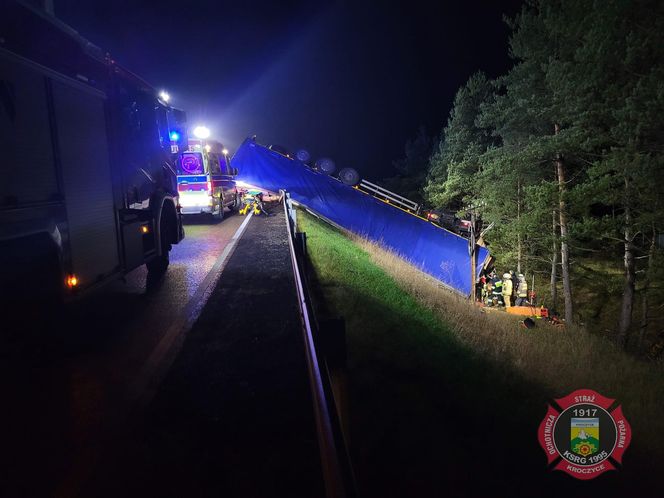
(584, 412)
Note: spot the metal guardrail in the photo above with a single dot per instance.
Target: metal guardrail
(335, 461)
(383, 193)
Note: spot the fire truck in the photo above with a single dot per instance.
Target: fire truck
(88, 155)
(206, 179)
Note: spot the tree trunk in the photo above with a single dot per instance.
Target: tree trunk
(630, 273)
(564, 247)
(645, 318)
(518, 230)
(554, 265)
(472, 246)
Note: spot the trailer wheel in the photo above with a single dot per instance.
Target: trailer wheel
(158, 265)
(325, 165)
(349, 176)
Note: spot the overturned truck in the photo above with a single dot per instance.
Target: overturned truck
(438, 252)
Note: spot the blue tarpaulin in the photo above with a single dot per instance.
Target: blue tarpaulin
(438, 252)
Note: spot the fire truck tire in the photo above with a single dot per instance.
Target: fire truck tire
(219, 215)
(236, 204)
(158, 266)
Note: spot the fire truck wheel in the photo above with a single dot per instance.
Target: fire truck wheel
(219, 215)
(157, 266)
(236, 204)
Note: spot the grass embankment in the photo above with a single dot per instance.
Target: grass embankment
(446, 399)
(598, 283)
(595, 286)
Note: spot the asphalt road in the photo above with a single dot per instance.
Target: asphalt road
(233, 416)
(67, 385)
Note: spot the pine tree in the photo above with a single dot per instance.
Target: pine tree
(565, 151)
(455, 160)
(614, 80)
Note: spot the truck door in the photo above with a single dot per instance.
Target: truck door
(27, 167)
(215, 176)
(227, 182)
(32, 214)
(83, 149)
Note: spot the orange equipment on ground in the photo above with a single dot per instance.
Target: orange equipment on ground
(528, 311)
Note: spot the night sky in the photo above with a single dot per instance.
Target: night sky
(347, 80)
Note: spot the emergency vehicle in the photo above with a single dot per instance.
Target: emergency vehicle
(206, 179)
(88, 190)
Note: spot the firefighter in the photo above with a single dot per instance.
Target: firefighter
(507, 290)
(253, 201)
(521, 290)
(488, 294)
(497, 291)
(484, 281)
(248, 202)
(480, 288)
(514, 282)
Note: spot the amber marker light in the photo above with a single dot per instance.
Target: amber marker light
(144, 229)
(72, 281)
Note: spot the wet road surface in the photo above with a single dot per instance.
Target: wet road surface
(234, 415)
(67, 386)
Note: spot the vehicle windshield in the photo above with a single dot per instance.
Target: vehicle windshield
(191, 163)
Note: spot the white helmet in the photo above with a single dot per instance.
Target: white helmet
(507, 275)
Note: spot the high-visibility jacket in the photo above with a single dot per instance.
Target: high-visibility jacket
(522, 289)
(497, 287)
(507, 287)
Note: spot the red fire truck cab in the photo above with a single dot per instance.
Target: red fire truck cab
(88, 190)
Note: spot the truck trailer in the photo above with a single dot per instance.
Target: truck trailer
(88, 157)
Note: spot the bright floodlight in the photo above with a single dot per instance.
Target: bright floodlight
(225, 152)
(201, 132)
(163, 95)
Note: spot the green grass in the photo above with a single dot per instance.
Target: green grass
(438, 389)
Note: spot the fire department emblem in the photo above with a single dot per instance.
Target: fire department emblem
(584, 434)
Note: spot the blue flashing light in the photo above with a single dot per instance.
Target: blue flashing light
(175, 136)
